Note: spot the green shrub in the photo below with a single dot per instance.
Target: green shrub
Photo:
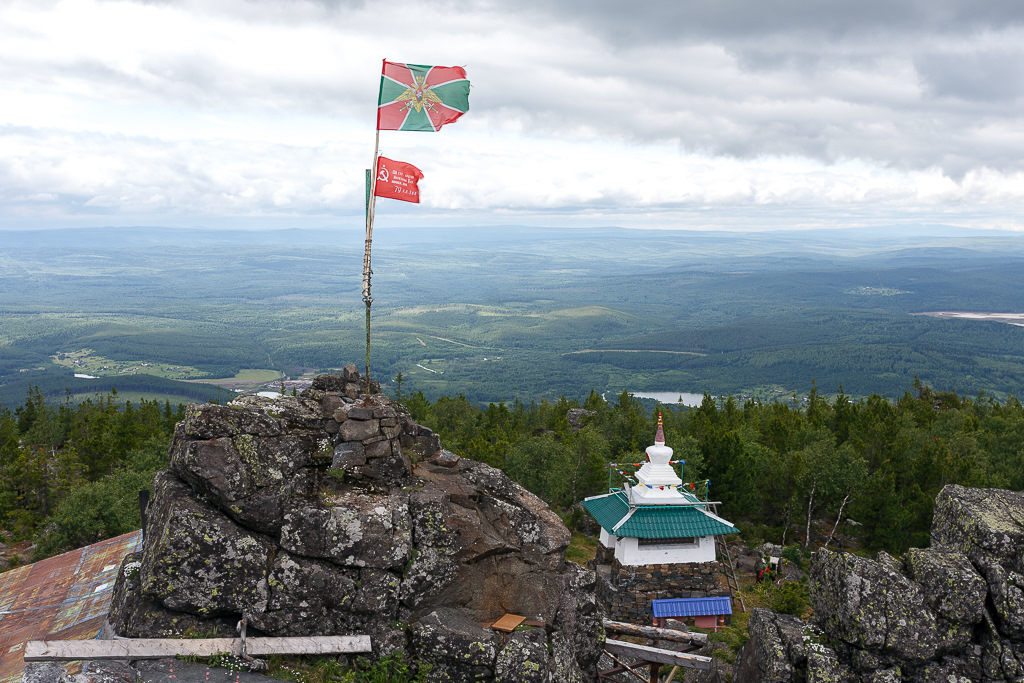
(789, 598)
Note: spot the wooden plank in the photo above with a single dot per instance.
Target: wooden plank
(508, 623)
(654, 654)
(627, 667)
(655, 633)
(158, 648)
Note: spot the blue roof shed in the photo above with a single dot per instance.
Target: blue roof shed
(691, 607)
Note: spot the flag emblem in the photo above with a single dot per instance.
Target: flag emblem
(420, 97)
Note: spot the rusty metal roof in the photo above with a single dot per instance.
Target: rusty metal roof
(64, 597)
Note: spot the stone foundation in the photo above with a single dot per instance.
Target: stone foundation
(626, 592)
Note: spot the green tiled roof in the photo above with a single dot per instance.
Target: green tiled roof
(654, 521)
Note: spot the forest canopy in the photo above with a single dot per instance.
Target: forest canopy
(807, 472)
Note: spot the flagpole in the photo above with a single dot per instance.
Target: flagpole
(371, 204)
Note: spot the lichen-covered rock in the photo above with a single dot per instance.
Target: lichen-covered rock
(306, 597)
(872, 605)
(952, 613)
(824, 667)
(987, 525)
(523, 659)
(207, 421)
(579, 616)
(952, 586)
(199, 561)
(305, 514)
(564, 665)
(134, 615)
(296, 413)
(250, 478)
(999, 660)
(434, 567)
(456, 648)
(337, 382)
(884, 676)
(351, 528)
(950, 670)
(1005, 591)
(775, 651)
(43, 672)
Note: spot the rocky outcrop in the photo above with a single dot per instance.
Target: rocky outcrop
(953, 612)
(575, 416)
(328, 514)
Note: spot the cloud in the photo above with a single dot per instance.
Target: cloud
(265, 107)
(668, 21)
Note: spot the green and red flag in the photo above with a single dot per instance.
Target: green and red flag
(397, 180)
(419, 97)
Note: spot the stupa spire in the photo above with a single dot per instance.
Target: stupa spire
(657, 480)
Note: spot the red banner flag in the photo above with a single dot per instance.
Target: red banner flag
(397, 180)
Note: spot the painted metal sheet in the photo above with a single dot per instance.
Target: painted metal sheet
(63, 597)
(691, 607)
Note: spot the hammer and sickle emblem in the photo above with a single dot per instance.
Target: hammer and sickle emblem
(383, 175)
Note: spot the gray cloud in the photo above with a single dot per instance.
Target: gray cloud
(991, 76)
(903, 87)
(667, 20)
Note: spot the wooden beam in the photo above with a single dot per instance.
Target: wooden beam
(654, 654)
(625, 667)
(655, 633)
(158, 648)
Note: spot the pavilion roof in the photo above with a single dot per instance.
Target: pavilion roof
(613, 512)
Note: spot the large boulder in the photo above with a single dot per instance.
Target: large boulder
(986, 525)
(952, 586)
(197, 560)
(872, 605)
(307, 515)
(775, 651)
(456, 648)
(952, 613)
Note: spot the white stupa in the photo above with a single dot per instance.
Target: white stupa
(657, 521)
(658, 482)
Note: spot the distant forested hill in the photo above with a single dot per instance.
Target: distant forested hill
(501, 313)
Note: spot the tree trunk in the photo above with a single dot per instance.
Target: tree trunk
(838, 519)
(785, 525)
(810, 507)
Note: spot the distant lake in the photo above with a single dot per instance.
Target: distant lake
(671, 397)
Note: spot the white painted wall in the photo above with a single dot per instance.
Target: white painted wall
(628, 552)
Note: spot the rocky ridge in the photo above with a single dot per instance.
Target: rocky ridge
(327, 514)
(953, 612)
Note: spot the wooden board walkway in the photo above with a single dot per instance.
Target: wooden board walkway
(656, 655)
(158, 648)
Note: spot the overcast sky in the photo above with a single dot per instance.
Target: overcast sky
(734, 114)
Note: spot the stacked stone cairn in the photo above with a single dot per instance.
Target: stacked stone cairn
(330, 514)
(951, 613)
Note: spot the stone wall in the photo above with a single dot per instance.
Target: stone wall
(626, 592)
